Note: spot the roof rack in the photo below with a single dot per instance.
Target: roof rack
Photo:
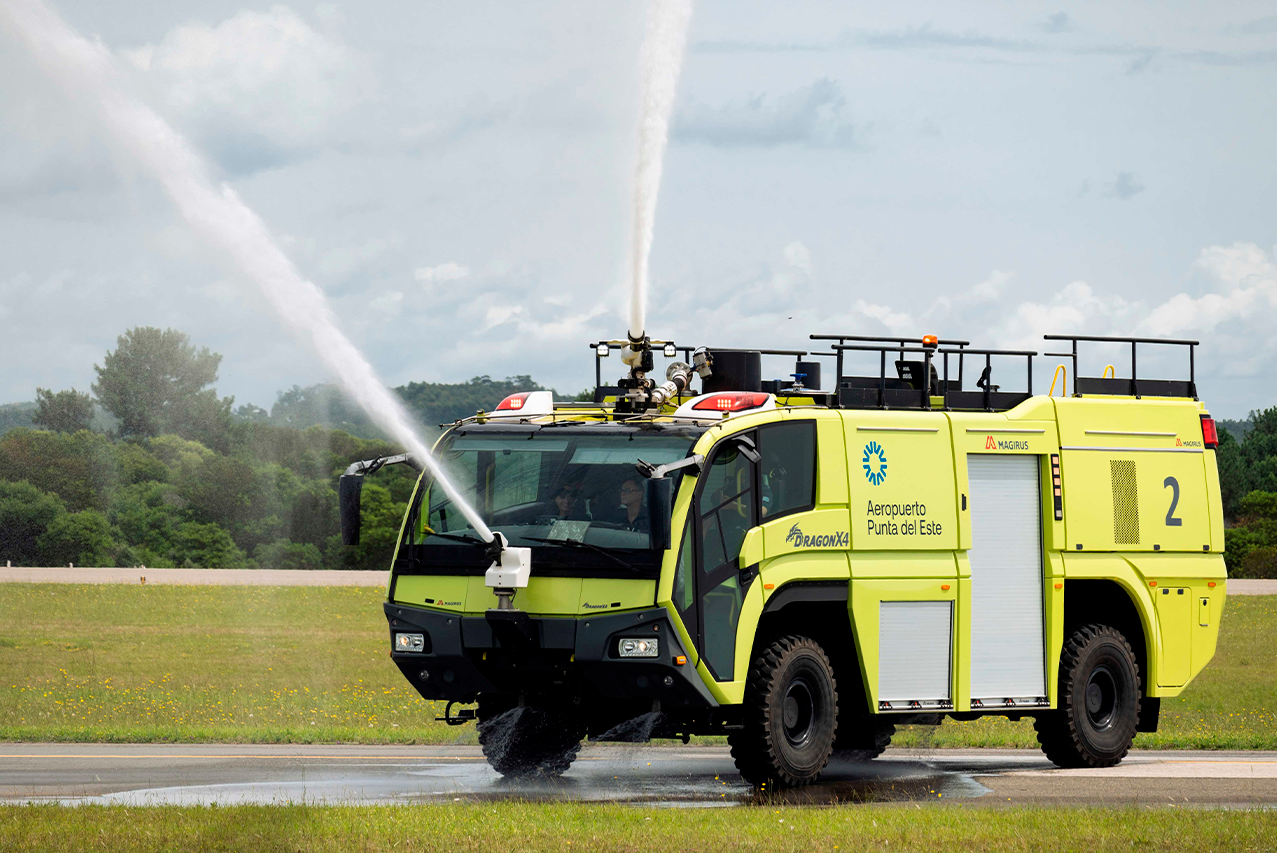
(901, 342)
(1133, 387)
(918, 382)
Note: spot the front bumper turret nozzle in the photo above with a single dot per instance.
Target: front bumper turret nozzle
(510, 570)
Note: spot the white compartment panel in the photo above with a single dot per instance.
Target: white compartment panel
(1007, 655)
(914, 642)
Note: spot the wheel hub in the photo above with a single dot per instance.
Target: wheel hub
(798, 712)
(1101, 698)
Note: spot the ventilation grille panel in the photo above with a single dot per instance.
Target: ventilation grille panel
(1126, 503)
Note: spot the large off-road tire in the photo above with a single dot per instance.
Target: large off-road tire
(535, 740)
(1099, 701)
(790, 715)
(863, 739)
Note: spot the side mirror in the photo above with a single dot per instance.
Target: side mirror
(349, 488)
(746, 447)
(660, 510)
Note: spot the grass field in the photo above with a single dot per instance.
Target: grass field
(522, 826)
(309, 664)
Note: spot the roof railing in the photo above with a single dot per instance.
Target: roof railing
(1133, 387)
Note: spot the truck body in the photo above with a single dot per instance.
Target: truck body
(822, 567)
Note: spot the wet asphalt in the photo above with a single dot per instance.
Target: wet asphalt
(665, 776)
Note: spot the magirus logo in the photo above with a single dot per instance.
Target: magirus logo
(799, 539)
(875, 463)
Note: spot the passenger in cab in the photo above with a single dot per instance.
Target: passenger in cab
(564, 503)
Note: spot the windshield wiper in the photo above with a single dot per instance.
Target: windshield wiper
(459, 537)
(574, 543)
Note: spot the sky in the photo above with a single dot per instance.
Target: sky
(457, 179)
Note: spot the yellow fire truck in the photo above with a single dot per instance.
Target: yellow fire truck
(802, 566)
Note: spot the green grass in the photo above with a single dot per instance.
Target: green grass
(523, 826)
(309, 664)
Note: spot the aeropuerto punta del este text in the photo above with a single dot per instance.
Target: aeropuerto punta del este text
(901, 520)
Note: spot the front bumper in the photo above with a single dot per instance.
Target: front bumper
(467, 655)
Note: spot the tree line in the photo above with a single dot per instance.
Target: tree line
(183, 478)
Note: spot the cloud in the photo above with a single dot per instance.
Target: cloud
(1257, 27)
(448, 271)
(1057, 23)
(1230, 60)
(388, 302)
(1243, 276)
(1125, 187)
(256, 88)
(909, 38)
(798, 256)
(924, 36)
(812, 115)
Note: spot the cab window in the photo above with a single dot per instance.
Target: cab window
(787, 470)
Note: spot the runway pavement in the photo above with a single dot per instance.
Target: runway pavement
(285, 577)
(163, 774)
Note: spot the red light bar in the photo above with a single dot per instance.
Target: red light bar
(513, 403)
(730, 401)
(1210, 436)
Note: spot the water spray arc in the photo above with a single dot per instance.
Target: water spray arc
(660, 60)
(219, 216)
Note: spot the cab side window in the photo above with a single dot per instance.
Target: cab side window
(787, 470)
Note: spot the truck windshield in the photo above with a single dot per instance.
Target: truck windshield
(546, 487)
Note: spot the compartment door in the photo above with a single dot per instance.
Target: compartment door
(1175, 620)
(1008, 658)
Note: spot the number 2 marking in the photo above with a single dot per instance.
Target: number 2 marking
(1171, 520)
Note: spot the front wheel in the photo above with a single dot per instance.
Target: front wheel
(791, 715)
(1099, 701)
(528, 740)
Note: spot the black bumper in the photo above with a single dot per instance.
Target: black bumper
(468, 655)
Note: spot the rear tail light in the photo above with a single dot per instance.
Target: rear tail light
(1210, 436)
(730, 401)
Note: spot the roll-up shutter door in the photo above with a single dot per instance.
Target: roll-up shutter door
(914, 641)
(1007, 656)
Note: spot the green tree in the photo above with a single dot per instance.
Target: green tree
(65, 411)
(322, 405)
(138, 465)
(83, 538)
(205, 546)
(25, 514)
(437, 403)
(155, 382)
(80, 468)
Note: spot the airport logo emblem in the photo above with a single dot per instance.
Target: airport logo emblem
(875, 463)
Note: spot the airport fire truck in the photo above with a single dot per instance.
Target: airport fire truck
(803, 565)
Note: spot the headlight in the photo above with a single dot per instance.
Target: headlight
(409, 642)
(646, 647)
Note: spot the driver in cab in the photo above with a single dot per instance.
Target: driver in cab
(634, 515)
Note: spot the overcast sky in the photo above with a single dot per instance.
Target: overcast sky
(457, 177)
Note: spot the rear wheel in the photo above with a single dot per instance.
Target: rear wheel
(536, 739)
(790, 715)
(1099, 700)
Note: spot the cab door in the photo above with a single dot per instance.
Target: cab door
(724, 510)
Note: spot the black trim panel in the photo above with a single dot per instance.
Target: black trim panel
(796, 591)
